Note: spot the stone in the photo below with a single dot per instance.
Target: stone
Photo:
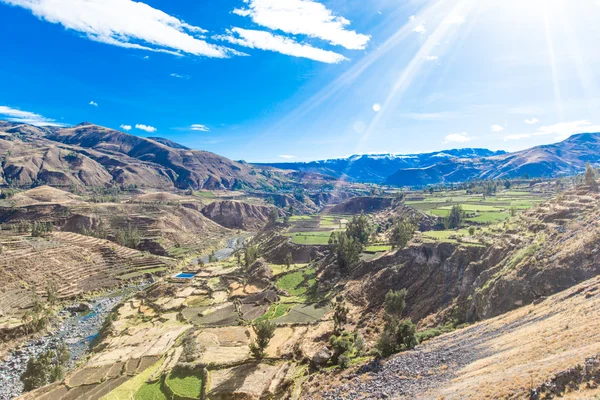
(321, 357)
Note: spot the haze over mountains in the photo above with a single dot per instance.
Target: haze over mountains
(91, 155)
(451, 166)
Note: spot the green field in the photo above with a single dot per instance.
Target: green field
(150, 391)
(299, 282)
(376, 248)
(185, 383)
(314, 238)
(278, 269)
(136, 274)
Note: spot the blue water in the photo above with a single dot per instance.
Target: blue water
(184, 275)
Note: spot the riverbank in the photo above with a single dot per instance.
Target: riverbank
(75, 329)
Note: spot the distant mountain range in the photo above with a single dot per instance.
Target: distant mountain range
(451, 166)
(376, 168)
(91, 155)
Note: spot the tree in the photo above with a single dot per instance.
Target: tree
(289, 260)
(347, 250)
(394, 303)
(397, 334)
(590, 175)
(455, 217)
(359, 228)
(52, 294)
(250, 255)
(402, 232)
(273, 215)
(238, 256)
(340, 314)
(47, 367)
(264, 330)
(471, 231)
(513, 211)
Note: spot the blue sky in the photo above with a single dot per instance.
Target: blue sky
(296, 80)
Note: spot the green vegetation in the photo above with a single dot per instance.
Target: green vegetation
(275, 311)
(141, 272)
(310, 238)
(398, 335)
(346, 346)
(402, 232)
(347, 250)
(129, 237)
(185, 383)
(455, 218)
(299, 282)
(340, 314)
(264, 331)
(150, 391)
(359, 229)
(378, 248)
(250, 255)
(204, 194)
(47, 367)
(273, 216)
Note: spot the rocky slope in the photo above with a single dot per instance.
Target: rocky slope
(237, 214)
(90, 155)
(543, 350)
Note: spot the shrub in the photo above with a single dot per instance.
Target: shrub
(250, 255)
(340, 313)
(273, 215)
(346, 248)
(359, 228)
(46, 368)
(395, 302)
(264, 330)
(402, 232)
(397, 336)
(455, 217)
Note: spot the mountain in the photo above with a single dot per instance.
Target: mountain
(564, 158)
(377, 167)
(92, 155)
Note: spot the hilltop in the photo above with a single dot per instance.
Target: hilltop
(91, 155)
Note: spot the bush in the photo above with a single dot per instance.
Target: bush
(129, 237)
(359, 228)
(345, 345)
(395, 302)
(250, 255)
(397, 336)
(455, 217)
(340, 313)
(46, 368)
(402, 232)
(264, 330)
(346, 248)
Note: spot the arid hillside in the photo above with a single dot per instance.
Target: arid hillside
(543, 350)
(90, 155)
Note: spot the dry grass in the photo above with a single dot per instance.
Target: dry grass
(524, 348)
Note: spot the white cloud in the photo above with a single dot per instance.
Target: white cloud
(411, 18)
(497, 128)
(561, 130)
(565, 129)
(146, 128)
(174, 75)
(26, 117)
(432, 58)
(532, 121)
(458, 138)
(280, 44)
(376, 107)
(420, 28)
(517, 137)
(125, 23)
(286, 156)
(93, 103)
(200, 127)
(126, 127)
(455, 20)
(304, 17)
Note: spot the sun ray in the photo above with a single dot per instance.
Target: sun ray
(552, 56)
